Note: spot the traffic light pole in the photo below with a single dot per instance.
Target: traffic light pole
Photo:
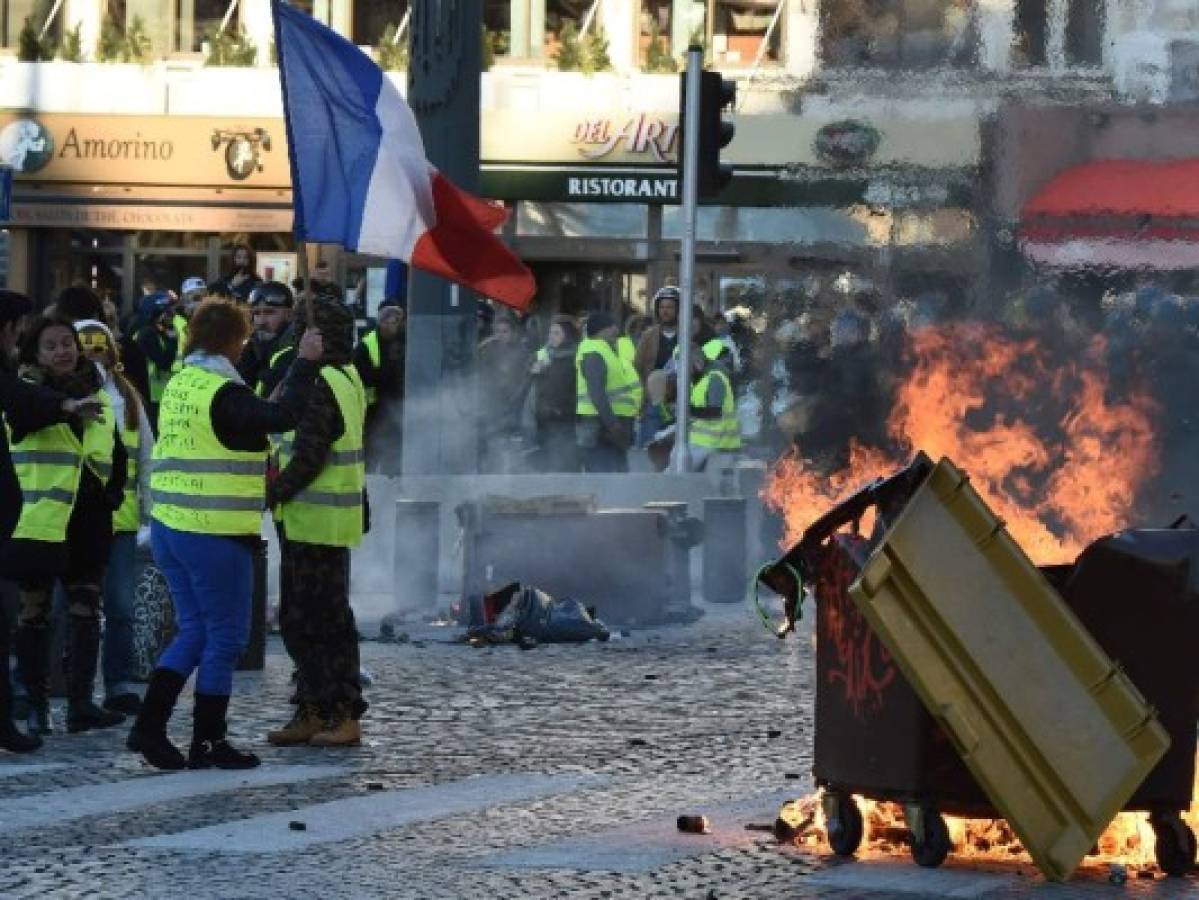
(695, 65)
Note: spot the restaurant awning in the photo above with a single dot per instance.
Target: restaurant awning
(1116, 213)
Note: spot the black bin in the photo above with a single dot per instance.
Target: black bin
(1137, 592)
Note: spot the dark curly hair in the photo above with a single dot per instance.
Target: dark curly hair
(27, 349)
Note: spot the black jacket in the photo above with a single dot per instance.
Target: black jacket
(37, 407)
(242, 420)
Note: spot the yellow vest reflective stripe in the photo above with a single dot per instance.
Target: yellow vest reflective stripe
(197, 483)
(543, 355)
(622, 385)
(49, 464)
(715, 434)
(329, 510)
(375, 352)
(128, 517)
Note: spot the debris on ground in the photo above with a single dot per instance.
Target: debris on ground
(526, 616)
(693, 824)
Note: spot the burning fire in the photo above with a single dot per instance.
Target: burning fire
(1129, 840)
(1052, 453)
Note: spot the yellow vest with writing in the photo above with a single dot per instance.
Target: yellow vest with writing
(198, 484)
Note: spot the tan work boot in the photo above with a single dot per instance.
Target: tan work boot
(344, 733)
(300, 730)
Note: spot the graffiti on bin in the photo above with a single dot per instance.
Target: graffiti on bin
(861, 665)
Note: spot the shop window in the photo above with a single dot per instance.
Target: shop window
(371, 20)
(898, 34)
(769, 225)
(742, 34)
(1069, 29)
(198, 20)
(13, 14)
(570, 220)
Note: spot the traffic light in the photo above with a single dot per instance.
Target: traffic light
(715, 94)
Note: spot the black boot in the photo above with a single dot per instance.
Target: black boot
(32, 645)
(149, 734)
(10, 738)
(83, 650)
(209, 749)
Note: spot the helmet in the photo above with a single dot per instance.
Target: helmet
(272, 293)
(192, 286)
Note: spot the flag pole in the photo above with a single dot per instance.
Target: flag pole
(305, 291)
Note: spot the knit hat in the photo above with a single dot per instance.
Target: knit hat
(597, 322)
(95, 335)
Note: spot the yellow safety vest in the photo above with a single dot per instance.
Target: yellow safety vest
(715, 434)
(260, 390)
(329, 510)
(626, 349)
(375, 352)
(622, 385)
(158, 376)
(180, 325)
(128, 517)
(198, 484)
(49, 464)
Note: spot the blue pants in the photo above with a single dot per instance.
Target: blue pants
(212, 581)
(120, 581)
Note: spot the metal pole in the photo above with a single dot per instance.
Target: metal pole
(695, 65)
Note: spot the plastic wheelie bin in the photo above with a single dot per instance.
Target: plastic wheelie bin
(1137, 592)
(875, 735)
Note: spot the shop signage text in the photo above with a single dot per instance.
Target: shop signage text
(597, 138)
(663, 188)
(135, 149)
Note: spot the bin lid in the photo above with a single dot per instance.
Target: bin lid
(1054, 732)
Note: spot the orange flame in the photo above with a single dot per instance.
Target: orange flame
(1129, 840)
(1052, 453)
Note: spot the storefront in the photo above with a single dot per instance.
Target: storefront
(112, 200)
(116, 200)
(890, 199)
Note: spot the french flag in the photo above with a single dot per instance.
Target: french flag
(359, 173)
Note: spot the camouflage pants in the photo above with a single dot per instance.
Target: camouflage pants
(318, 628)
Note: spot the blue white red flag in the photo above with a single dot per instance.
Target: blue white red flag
(360, 177)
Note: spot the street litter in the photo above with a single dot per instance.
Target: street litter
(693, 824)
(526, 616)
(923, 705)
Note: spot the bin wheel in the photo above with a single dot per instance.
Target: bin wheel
(935, 846)
(1175, 846)
(845, 830)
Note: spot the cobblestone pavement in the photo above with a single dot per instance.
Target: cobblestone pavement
(587, 754)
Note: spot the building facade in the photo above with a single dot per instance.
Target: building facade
(860, 148)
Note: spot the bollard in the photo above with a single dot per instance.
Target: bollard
(679, 606)
(724, 549)
(417, 553)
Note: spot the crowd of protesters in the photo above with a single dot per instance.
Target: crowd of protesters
(173, 429)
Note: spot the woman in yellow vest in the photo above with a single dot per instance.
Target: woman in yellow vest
(118, 657)
(208, 486)
(72, 479)
(318, 497)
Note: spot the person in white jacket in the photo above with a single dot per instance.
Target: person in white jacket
(129, 522)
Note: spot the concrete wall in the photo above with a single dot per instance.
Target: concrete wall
(373, 563)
